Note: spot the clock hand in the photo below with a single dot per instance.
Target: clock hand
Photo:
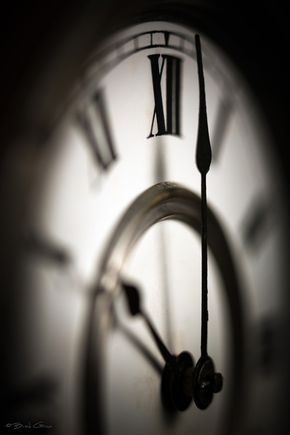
(133, 298)
(177, 375)
(203, 161)
(206, 381)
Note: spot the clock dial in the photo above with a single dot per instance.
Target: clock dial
(133, 123)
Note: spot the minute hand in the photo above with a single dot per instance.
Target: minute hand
(203, 148)
(203, 161)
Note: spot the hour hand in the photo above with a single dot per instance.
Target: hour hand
(134, 303)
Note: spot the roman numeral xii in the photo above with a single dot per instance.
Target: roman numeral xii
(166, 81)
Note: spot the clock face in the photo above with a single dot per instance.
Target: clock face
(132, 124)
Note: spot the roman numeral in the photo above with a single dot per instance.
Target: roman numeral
(257, 223)
(166, 81)
(94, 123)
(46, 249)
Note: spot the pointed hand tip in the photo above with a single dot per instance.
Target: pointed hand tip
(132, 298)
